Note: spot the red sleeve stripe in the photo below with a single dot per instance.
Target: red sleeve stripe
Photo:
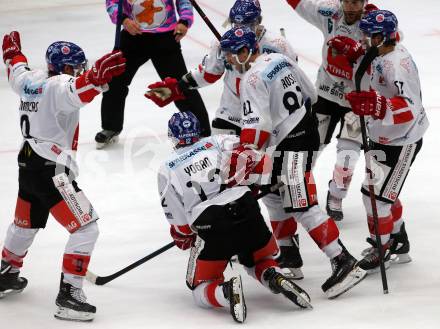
(293, 3)
(403, 117)
(398, 103)
(85, 90)
(211, 78)
(251, 136)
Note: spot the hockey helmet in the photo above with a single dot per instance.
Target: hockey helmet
(238, 38)
(245, 12)
(183, 129)
(61, 53)
(383, 22)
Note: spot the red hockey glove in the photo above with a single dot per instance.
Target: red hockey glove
(368, 103)
(347, 47)
(244, 161)
(183, 241)
(107, 67)
(11, 46)
(369, 8)
(165, 92)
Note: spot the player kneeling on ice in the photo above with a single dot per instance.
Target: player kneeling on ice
(49, 116)
(396, 124)
(228, 115)
(276, 98)
(217, 217)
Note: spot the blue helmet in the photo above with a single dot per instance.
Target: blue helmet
(237, 38)
(245, 12)
(380, 21)
(61, 53)
(183, 129)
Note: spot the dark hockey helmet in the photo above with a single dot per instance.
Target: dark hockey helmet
(183, 129)
(61, 53)
(383, 22)
(245, 12)
(238, 38)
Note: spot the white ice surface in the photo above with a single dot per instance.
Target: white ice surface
(121, 182)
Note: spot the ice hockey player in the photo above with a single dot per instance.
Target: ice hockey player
(228, 116)
(338, 20)
(396, 122)
(276, 100)
(217, 217)
(49, 116)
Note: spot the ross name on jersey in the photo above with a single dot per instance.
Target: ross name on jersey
(197, 166)
(288, 81)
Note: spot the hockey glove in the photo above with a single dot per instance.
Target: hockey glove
(183, 241)
(11, 46)
(347, 47)
(244, 161)
(165, 92)
(368, 103)
(107, 67)
(369, 8)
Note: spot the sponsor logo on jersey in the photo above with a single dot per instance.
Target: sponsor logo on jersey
(275, 68)
(267, 50)
(28, 106)
(251, 121)
(234, 119)
(189, 154)
(337, 89)
(343, 29)
(32, 91)
(325, 11)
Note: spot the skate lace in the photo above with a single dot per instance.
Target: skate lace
(78, 294)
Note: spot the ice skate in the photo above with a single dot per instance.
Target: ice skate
(371, 262)
(72, 305)
(10, 282)
(106, 137)
(278, 283)
(346, 274)
(233, 292)
(290, 260)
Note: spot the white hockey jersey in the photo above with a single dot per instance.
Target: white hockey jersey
(191, 180)
(214, 66)
(328, 17)
(274, 92)
(395, 77)
(49, 110)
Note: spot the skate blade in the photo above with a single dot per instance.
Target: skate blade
(238, 310)
(293, 273)
(113, 140)
(352, 279)
(9, 292)
(400, 259)
(68, 314)
(302, 298)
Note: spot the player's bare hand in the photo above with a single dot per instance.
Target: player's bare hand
(131, 26)
(180, 31)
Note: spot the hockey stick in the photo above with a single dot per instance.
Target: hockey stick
(101, 280)
(363, 66)
(206, 19)
(118, 25)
